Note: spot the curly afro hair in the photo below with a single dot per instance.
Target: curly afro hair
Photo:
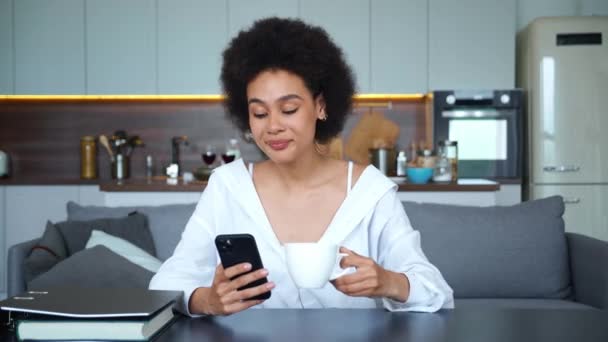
(296, 47)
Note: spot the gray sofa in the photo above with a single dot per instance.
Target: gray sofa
(516, 256)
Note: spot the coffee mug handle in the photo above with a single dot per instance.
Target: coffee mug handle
(338, 271)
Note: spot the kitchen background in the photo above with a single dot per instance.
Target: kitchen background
(173, 47)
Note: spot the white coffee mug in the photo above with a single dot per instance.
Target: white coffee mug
(312, 265)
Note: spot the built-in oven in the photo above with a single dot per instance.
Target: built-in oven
(488, 126)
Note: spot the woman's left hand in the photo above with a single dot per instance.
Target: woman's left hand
(370, 279)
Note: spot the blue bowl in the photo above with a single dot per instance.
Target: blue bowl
(419, 175)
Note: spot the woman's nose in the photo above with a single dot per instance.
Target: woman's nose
(274, 123)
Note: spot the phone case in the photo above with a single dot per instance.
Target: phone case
(238, 248)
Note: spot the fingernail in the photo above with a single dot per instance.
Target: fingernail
(247, 266)
(264, 272)
(270, 285)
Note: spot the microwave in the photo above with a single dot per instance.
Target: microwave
(488, 126)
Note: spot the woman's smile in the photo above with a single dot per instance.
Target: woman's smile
(278, 145)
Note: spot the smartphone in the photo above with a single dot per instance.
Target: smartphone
(239, 248)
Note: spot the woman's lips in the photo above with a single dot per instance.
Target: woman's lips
(278, 145)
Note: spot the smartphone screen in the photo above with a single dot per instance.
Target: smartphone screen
(239, 248)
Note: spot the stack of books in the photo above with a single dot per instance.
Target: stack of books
(91, 314)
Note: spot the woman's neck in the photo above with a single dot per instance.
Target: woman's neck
(308, 171)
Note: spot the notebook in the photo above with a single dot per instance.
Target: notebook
(91, 314)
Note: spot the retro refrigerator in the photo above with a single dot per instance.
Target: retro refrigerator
(563, 69)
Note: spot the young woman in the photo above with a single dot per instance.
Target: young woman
(288, 84)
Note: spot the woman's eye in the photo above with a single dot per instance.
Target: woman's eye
(291, 111)
(259, 115)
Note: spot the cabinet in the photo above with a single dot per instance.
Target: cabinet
(90, 195)
(242, 13)
(174, 47)
(528, 10)
(472, 44)
(2, 243)
(585, 207)
(128, 198)
(49, 47)
(29, 207)
(24, 211)
(121, 50)
(6, 47)
(131, 199)
(348, 24)
(191, 37)
(471, 198)
(509, 194)
(594, 7)
(399, 46)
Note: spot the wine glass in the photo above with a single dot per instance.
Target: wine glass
(209, 155)
(227, 157)
(231, 152)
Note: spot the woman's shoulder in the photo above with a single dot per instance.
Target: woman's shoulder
(371, 180)
(358, 170)
(233, 168)
(366, 172)
(227, 174)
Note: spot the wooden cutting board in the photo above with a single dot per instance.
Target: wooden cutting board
(373, 130)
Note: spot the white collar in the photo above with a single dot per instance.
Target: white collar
(362, 199)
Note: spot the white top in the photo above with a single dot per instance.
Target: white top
(371, 221)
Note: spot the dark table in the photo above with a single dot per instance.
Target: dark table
(379, 325)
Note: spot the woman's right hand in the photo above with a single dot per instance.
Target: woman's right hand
(223, 298)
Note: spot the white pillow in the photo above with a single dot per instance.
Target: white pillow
(125, 249)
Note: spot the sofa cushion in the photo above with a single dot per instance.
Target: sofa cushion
(96, 267)
(166, 221)
(518, 303)
(45, 254)
(133, 228)
(497, 252)
(125, 249)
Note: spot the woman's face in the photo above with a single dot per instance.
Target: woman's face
(282, 115)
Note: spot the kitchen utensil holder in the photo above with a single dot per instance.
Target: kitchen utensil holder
(384, 159)
(121, 167)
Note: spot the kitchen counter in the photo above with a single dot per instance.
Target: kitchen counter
(47, 181)
(159, 184)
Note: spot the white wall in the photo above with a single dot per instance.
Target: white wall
(527, 10)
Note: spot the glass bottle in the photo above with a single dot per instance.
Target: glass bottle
(443, 170)
(88, 157)
(426, 158)
(401, 164)
(234, 148)
(451, 151)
